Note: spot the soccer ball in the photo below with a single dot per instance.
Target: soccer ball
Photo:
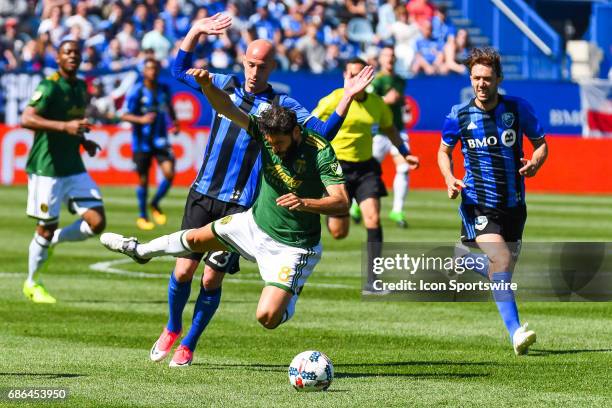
(311, 371)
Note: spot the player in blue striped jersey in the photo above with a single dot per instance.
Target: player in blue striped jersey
(493, 211)
(228, 180)
(146, 107)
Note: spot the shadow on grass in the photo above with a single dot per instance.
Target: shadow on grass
(377, 373)
(45, 375)
(544, 352)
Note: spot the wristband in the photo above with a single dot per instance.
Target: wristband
(403, 150)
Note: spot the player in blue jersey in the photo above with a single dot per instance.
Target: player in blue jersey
(493, 212)
(228, 180)
(146, 107)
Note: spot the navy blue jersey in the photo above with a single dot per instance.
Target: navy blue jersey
(140, 101)
(232, 160)
(492, 146)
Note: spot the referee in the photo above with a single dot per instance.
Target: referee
(353, 147)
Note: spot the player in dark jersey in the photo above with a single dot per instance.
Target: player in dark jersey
(493, 212)
(56, 173)
(301, 179)
(146, 107)
(228, 180)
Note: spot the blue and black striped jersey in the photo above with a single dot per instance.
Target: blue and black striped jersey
(232, 160)
(492, 147)
(142, 100)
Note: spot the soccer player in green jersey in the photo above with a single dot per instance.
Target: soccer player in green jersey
(391, 87)
(55, 169)
(282, 231)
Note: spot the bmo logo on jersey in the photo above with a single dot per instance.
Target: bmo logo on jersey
(508, 138)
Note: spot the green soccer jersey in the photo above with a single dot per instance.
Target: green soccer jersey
(382, 84)
(306, 173)
(56, 154)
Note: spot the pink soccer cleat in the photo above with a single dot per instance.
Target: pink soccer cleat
(163, 345)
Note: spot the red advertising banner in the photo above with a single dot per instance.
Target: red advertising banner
(575, 165)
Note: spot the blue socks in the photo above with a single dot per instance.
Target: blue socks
(162, 190)
(506, 305)
(141, 194)
(178, 294)
(204, 310)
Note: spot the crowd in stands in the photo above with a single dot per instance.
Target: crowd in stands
(312, 35)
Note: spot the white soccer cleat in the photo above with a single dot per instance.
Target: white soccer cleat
(123, 245)
(522, 339)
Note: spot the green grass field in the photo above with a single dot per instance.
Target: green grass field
(95, 340)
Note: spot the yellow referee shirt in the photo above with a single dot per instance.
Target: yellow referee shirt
(353, 143)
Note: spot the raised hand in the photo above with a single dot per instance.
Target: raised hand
(215, 25)
(356, 84)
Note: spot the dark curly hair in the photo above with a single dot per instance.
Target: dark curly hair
(277, 121)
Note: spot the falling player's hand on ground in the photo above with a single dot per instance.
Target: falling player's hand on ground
(215, 25)
(202, 76)
(290, 201)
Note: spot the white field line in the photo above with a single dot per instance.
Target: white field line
(110, 267)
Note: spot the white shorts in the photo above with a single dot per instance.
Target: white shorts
(46, 194)
(279, 264)
(381, 146)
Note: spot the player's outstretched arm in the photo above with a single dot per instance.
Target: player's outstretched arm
(393, 135)
(540, 153)
(445, 163)
(336, 203)
(32, 120)
(352, 86)
(219, 100)
(215, 25)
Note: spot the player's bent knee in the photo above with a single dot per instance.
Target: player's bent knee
(269, 319)
(46, 231)
(338, 233)
(185, 269)
(212, 279)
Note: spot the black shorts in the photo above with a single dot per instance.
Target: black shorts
(143, 160)
(363, 179)
(201, 210)
(478, 220)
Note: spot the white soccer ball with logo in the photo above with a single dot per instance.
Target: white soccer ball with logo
(311, 371)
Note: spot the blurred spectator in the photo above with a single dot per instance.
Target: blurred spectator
(293, 26)
(176, 24)
(141, 21)
(419, 10)
(75, 34)
(53, 26)
(456, 52)
(386, 18)
(32, 56)
(405, 35)
(14, 8)
(312, 49)
(346, 48)
(442, 29)
(10, 45)
(101, 107)
(91, 58)
(130, 46)
(429, 56)
(296, 60)
(80, 18)
(265, 27)
(157, 41)
(355, 8)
